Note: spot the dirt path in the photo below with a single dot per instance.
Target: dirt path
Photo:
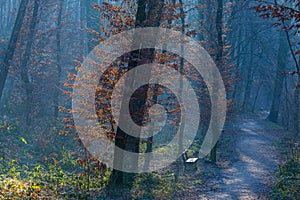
(250, 174)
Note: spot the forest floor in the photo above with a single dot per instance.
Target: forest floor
(249, 152)
(246, 165)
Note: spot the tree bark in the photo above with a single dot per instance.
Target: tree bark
(148, 15)
(297, 92)
(256, 97)
(249, 80)
(25, 59)
(58, 59)
(297, 108)
(219, 57)
(281, 67)
(12, 44)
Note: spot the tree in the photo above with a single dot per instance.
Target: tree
(58, 58)
(219, 56)
(280, 69)
(24, 62)
(287, 15)
(12, 44)
(144, 18)
(249, 73)
(92, 22)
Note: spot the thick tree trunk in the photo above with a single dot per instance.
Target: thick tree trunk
(179, 167)
(12, 44)
(219, 57)
(297, 92)
(25, 59)
(281, 67)
(148, 15)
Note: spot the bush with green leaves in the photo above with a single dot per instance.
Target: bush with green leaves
(66, 178)
(287, 183)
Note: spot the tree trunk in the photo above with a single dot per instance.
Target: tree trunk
(281, 67)
(148, 15)
(256, 97)
(25, 60)
(219, 58)
(83, 16)
(249, 80)
(237, 92)
(297, 108)
(92, 22)
(12, 44)
(58, 59)
(200, 33)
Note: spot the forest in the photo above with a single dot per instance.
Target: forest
(150, 99)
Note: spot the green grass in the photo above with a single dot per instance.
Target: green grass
(287, 183)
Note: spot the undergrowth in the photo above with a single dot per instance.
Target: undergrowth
(287, 183)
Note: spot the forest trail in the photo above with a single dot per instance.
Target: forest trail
(250, 175)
